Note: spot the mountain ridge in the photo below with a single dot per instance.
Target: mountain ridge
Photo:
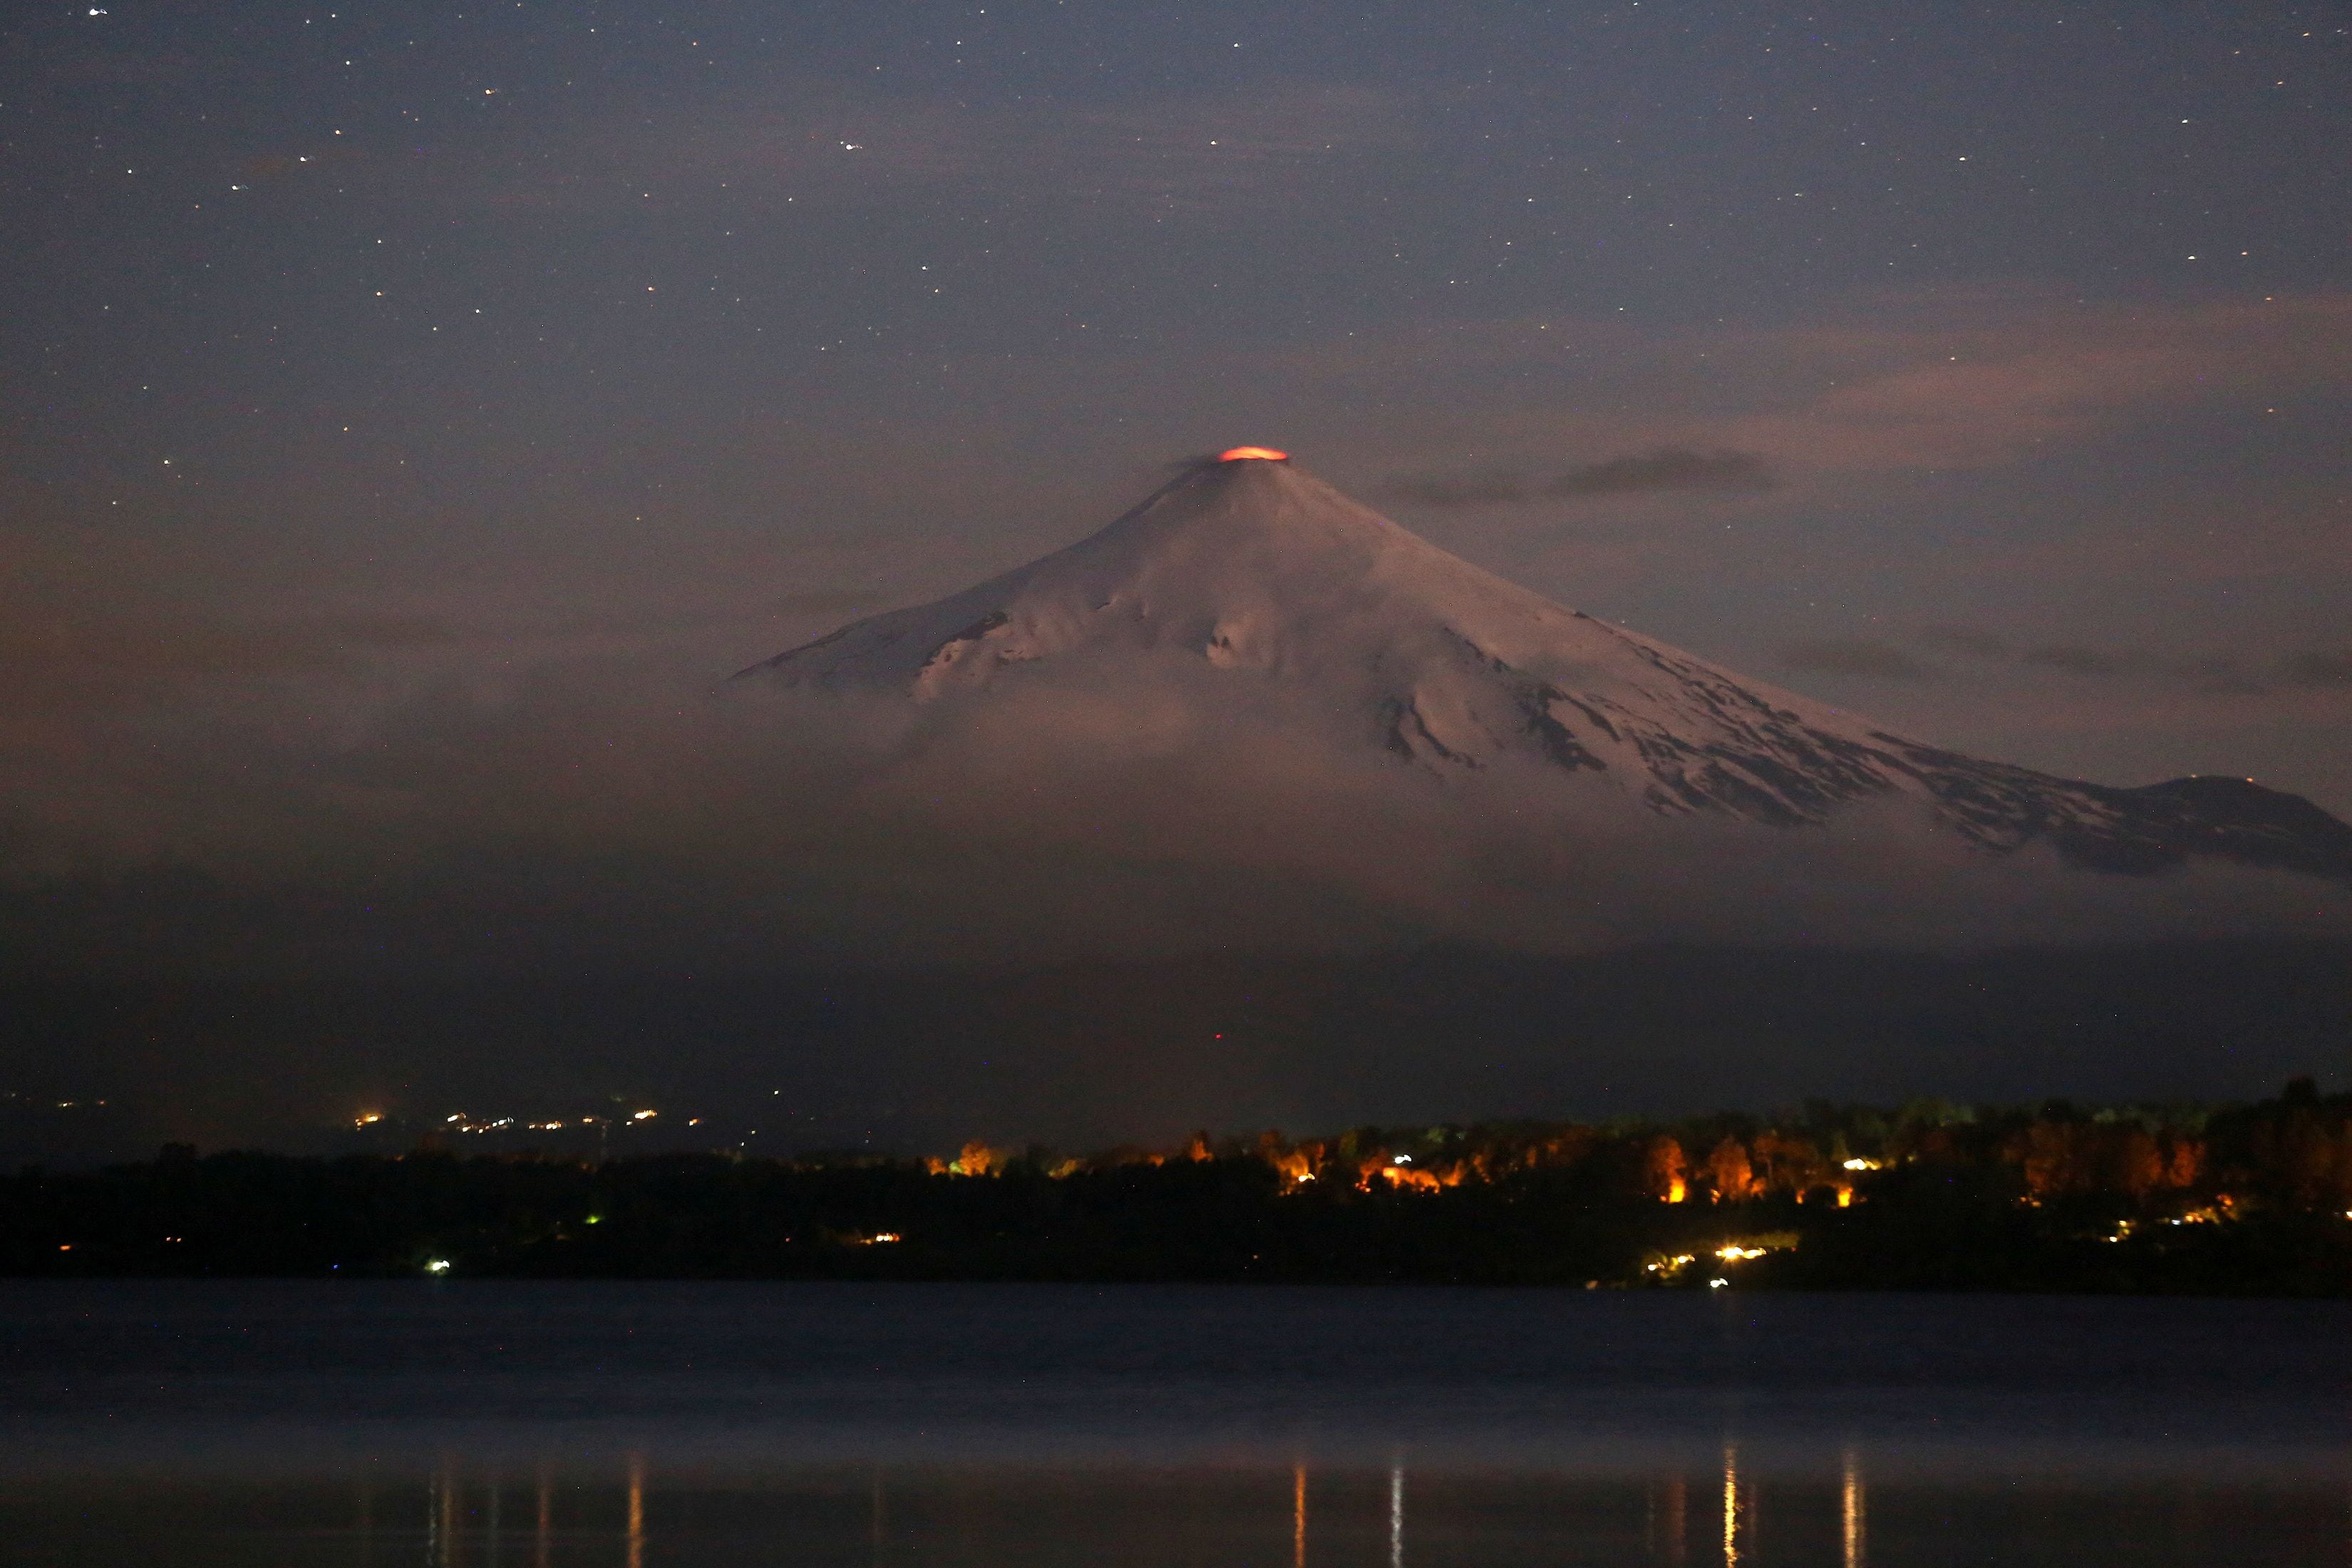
(1258, 570)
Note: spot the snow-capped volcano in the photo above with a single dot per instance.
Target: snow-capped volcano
(1250, 575)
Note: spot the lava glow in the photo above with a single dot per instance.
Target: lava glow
(1244, 454)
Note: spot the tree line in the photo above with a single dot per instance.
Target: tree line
(1932, 1194)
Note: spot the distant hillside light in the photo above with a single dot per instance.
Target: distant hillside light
(1244, 454)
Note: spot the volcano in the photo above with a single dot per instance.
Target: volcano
(1246, 577)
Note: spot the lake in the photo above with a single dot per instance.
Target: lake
(455, 1422)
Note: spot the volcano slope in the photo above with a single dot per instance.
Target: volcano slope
(1254, 807)
(1248, 590)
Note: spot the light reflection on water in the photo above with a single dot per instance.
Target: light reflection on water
(680, 1426)
(454, 1516)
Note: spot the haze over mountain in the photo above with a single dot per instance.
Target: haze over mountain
(1250, 808)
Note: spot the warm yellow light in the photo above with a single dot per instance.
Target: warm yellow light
(367, 1119)
(1245, 454)
(644, 1116)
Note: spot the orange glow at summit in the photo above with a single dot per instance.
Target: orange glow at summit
(1263, 454)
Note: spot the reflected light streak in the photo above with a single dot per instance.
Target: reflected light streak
(1730, 1506)
(637, 1511)
(1298, 1516)
(1853, 1499)
(441, 1531)
(1396, 1516)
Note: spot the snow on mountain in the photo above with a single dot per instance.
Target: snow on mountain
(1255, 570)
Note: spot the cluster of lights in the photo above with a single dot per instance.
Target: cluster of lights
(1862, 1165)
(460, 1122)
(1729, 1253)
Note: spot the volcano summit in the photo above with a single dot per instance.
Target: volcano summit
(1246, 580)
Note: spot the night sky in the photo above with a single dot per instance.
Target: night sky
(396, 386)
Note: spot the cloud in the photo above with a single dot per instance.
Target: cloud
(577, 824)
(1855, 656)
(1940, 382)
(134, 655)
(1667, 468)
(1443, 491)
(2330, 666)
(2212, 671)
(577, 878)
(2073, 661)
(1248, 149)
(1969, 641)
(1997, 379)
(1660, 469)
(827, 601)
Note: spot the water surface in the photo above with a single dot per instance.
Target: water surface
(474, 1422)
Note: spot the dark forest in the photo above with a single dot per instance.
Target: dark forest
(2252, 1199)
